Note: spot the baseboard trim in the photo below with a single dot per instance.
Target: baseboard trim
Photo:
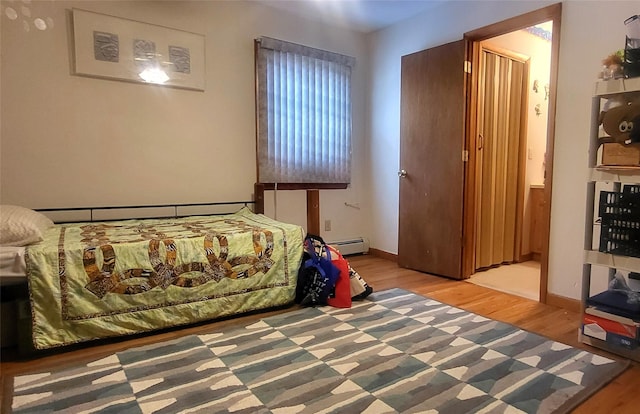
(553, 300)
(383, 255)
(564, 303)
(525, 257)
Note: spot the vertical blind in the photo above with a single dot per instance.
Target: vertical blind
(304, 113)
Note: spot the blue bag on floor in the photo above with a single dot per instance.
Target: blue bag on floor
(317, 276)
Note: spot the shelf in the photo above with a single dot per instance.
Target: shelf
(615, 86)
(633, 354)
(621, 174)
(618, 175)
(631, 264)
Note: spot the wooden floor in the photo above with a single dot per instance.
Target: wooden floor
(618, 397)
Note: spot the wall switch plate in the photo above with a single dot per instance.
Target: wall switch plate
(327, 225)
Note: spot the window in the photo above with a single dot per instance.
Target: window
(304, 114)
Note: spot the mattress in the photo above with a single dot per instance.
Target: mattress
(12, 265)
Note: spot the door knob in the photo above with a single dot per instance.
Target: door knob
(402, 173)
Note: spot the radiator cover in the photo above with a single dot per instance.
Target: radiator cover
(358, 245)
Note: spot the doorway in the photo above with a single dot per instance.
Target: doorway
(515, 122)
(546, 88)
(437, 221)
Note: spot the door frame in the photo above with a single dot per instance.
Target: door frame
(473, 38)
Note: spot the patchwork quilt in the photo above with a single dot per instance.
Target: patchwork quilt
(104, 279)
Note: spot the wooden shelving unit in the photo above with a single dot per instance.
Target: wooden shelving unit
(618, 176)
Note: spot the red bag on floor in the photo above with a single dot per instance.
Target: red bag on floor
(341, 296)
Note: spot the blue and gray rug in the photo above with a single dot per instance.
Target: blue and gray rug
(395, 352)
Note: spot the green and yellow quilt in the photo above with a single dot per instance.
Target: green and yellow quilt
(104, 279)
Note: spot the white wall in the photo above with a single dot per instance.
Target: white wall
(581, 52)
(73, 141)
(590, 31)
(76, 141)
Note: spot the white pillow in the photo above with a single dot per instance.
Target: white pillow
(21, 226)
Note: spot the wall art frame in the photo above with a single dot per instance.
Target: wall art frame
(110, 47)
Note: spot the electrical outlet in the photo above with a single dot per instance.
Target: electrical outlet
(327, 225)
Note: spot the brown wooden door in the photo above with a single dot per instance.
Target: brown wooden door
(431, 152)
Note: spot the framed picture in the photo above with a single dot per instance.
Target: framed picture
(114, 48)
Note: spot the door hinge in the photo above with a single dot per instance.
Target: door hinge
(467, 66)
(465, 156)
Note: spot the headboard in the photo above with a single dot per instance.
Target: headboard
(106, 213)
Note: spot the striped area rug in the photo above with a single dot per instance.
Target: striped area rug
(395, 352)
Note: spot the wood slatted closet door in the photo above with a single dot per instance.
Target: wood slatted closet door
(500, 162)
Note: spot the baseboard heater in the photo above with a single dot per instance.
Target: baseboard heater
(354, 246)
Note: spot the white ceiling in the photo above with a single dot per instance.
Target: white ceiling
(361, 15)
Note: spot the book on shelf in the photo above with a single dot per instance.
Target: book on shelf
(599, 326)
(611, 316)
(594, 331)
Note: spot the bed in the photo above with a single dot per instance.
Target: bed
(100, 279)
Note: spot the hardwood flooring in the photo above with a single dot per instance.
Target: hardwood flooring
(619, 396)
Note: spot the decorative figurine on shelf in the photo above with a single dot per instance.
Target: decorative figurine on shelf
(622, 124)
(612, 66)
